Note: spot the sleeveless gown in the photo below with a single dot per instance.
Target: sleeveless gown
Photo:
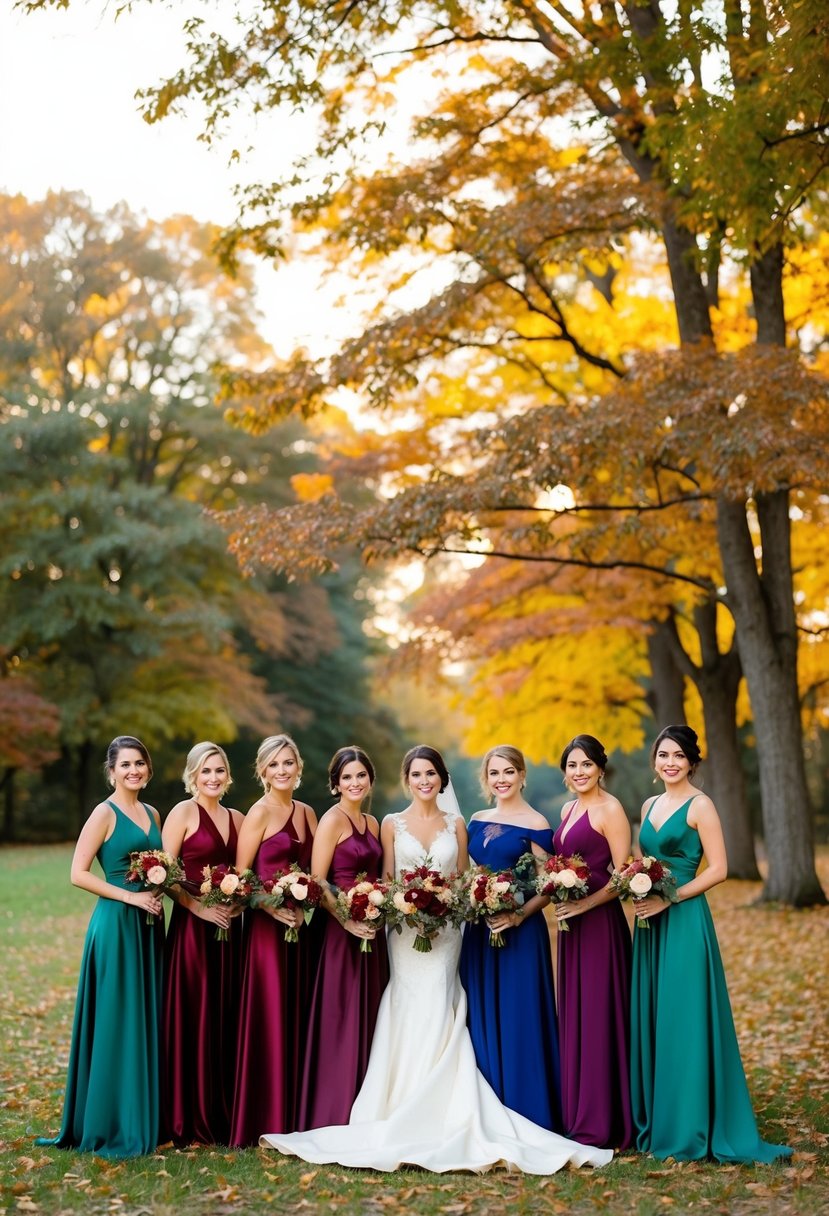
(424, 1102)
(509, 991)
(689, 1093)
(346, 998)
(112, 1087)
(201, 982)
(274, 1003)
(594, 961)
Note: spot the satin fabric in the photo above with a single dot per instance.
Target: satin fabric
(509, 990)
(593, 979)
(689, 1093)
(201, 985)
(346, 998)
(112, 1087)
(273, 1006)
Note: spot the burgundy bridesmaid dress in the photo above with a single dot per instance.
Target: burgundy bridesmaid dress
(273, 1008)
(594, 966)
(201, 981)
(346, 999)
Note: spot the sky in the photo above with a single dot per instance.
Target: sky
(69, 120)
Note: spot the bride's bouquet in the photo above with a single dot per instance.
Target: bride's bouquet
(488, 892)
(155, 869)
(563, 878)
(424, 900)
(224, 884)
(290, 889)
(642, 876)
(365, 902)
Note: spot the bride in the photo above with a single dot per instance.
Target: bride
(423, 1101)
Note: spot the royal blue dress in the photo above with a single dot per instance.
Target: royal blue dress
(509, 990)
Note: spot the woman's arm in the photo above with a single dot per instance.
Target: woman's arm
(702, 816)
(615, 827)
(387, 841)
(462, 837)
(95, 831)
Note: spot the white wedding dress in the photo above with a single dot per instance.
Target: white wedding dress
(423, 1101)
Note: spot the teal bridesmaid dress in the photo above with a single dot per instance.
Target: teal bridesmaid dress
(688, 1089)
(112, 1087)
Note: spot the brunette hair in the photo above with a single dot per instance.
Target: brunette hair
(347, 755)
(194, 764)
(424, 752)
(507, 752)
(121, 743)
(267, 749)
(684, 737)
(591, 747)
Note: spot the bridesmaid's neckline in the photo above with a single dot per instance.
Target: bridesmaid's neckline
(121, 811)
(667, 818)
(569, 823)
(204, 811)
(287, 824)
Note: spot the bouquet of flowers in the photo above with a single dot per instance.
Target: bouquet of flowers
(223, 884)
(155, 869)
(563, 878)
(642, 876)
(425, 900)
(365, 901)
(291, 889)
(488, 892)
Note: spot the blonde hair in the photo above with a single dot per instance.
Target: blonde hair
(512, 756)
(195, 762)
(267, 749)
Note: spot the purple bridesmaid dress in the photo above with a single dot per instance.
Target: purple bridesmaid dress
(594, 965)
(346, 999)
(273, 1006)
(199, 1020)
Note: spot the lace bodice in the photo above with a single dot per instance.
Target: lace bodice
(442, 854)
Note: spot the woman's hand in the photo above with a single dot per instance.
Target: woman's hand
(215, 914)
(652, 906)
(360, 928)
(570, 908)
(292, 917)
(504, 920)
(147, 900)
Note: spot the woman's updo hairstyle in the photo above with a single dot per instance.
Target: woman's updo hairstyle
(507, 752)
(195, 762)
(424, 752)
(123, 743)
(591, 747)
(347, 755)
(684, 737)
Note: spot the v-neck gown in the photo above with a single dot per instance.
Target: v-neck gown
(689, 1093)
(593, 978)
(201, 984)
(112, 1087)
(273, 1005)
(509, 991)
(346, 999)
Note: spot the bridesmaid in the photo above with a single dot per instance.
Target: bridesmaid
(349, 983)
(202, 975)
(112, 1100)
(511, 1003)
(689, 1093)
(277, 832)
(594, 959)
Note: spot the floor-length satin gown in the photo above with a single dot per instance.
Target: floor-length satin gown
(346, 998)
(509, 990)
(689, 1093)
(273, 1005)
(201, 987)
(424, 1102)
(594, 961)
(112, 1087)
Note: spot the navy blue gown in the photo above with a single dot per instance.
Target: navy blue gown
(509, 990)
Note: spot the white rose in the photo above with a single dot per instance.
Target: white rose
(445, 896)
(157, 875)
(229, 884)
(205, 887)
(567, 878)
(640, 884)
(376, 898)
(372, 913)
(299, 890)
(501, 886)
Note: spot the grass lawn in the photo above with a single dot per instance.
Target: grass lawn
(777, 963)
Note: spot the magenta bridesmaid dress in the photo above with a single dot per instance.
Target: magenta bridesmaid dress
(201, 980)
(273, 1007)
(345, 1002)
(594, 965)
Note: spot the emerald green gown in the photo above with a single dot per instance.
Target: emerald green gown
(688, 1089)
(112, 1087)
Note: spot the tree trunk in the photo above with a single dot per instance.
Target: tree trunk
(667, 694)
(764, 614)
(7, 785)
